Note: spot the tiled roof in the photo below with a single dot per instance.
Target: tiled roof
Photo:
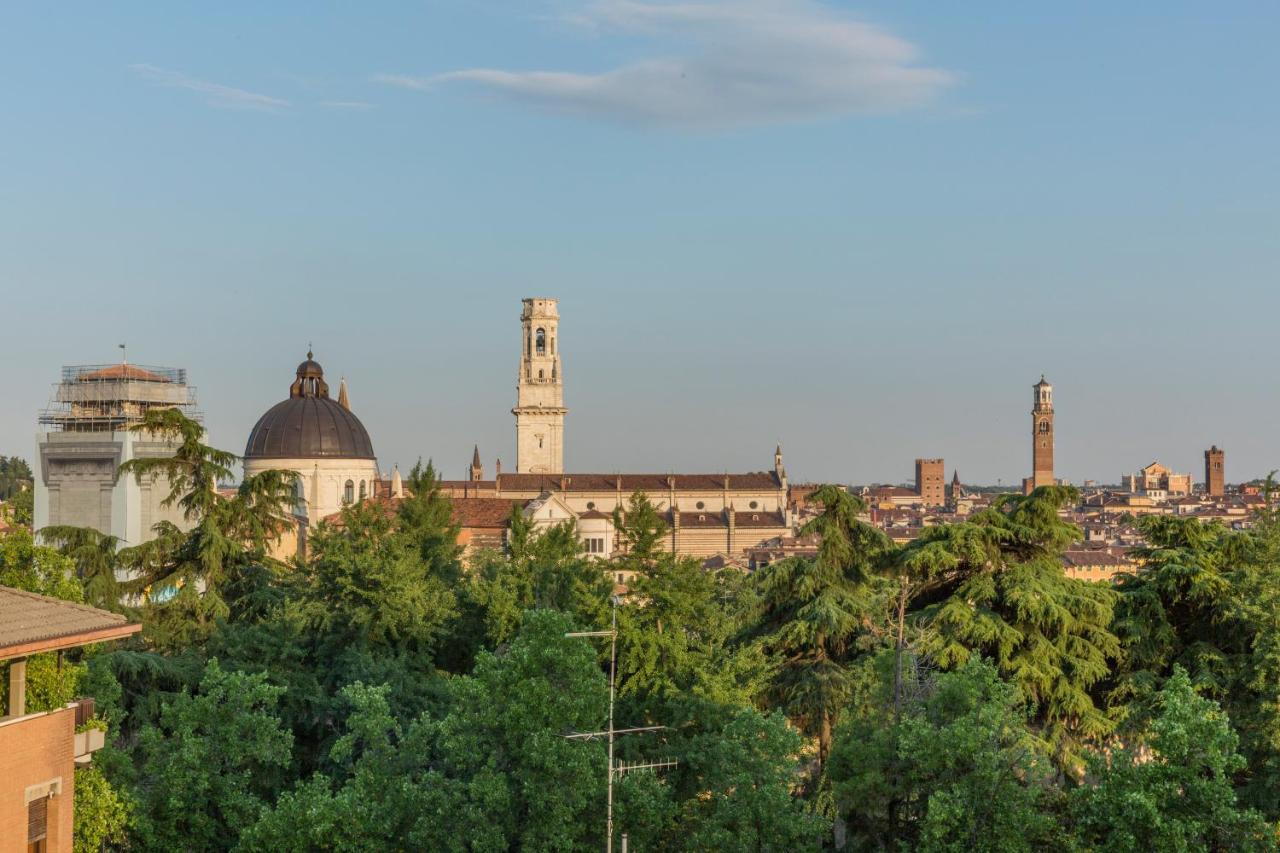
(483, 512)
(31, 623)
(467, 512)
(650, 483)
(122, 371)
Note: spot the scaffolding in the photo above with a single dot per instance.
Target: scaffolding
(112, 397)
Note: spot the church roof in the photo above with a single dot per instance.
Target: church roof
(309, 425)
(650, 483)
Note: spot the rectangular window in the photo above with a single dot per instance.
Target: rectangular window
(594, 545)
(37, 825)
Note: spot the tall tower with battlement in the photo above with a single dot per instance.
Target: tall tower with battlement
(1041, 438)
(1215, 472)
(539, 406)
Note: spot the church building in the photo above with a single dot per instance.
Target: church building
(707, 515)
(321, 440)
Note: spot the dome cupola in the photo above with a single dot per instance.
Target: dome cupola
(309, 425)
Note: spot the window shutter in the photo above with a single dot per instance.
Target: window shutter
(37, 819)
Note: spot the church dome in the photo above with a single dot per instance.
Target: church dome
(309, 425)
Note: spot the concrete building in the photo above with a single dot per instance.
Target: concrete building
(40, 751)
(87, 436)
(1215, 460)
(539, 406)
(931, 484)
(322, 441)
(1041, 438)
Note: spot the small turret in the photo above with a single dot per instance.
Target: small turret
(397, 485)
(477, 469)
(343, 400)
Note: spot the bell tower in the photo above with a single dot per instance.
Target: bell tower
(1041, 438)
(539, 406)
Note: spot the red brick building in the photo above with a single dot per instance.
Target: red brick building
(40, 751)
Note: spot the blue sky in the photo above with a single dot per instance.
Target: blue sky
(863, 229)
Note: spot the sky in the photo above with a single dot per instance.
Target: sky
(861, 229)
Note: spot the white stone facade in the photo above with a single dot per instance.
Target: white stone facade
(539, 406)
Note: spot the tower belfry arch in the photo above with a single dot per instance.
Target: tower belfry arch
(539, 408)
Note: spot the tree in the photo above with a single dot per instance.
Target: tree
(184, 571)
(367, 583)
(102, 813)
(812, 612)
(211, 763)
(1047, 633)
(956, 769)
(640, 532)
(96, 560)
(541, 569)
(734, 787)
(1172, 791)
(676, 638)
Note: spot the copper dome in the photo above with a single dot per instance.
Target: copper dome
(309, 425)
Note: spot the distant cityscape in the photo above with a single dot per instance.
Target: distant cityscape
(746, 519)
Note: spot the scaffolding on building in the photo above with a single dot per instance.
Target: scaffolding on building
(112, 397)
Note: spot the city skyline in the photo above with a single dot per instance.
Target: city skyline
(868, 273)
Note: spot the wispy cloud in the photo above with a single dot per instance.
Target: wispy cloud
(347, 105)
(723, 63)
(218, 95)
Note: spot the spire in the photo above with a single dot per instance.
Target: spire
(475, 456)
(476, 472)
(397, 487)
(343, 400)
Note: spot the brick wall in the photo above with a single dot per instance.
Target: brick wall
(34, 751)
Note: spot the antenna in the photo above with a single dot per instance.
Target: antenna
(620, 767)
(124, 354)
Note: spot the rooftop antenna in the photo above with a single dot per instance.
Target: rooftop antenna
(620, 767)
(124, 354)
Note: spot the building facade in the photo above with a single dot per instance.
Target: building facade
(539, 406)
(87, 434)
(1041, 438)
(1215, 461)
(1158, 482)
(41, 749)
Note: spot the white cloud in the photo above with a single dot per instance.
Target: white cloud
(225, 97)
(347, 105)
(724, 63)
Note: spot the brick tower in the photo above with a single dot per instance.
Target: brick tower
(931, 484)
(1214, 472)
(1041, 438)
(540, 407)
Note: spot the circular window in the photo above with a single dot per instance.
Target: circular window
(700, 505)
(591, 504)
(755, 504)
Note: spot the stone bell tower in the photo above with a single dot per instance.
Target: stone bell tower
(1041, 438)
(540, 407)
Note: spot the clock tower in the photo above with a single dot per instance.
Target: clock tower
(1041, 438)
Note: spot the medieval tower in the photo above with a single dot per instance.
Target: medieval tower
(540, 407)
(1041, 438)
(1214, 472)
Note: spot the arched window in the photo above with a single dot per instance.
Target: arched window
(541, 375)
(299, 497)
(1044, 427)
(348, 492)
(362, 491)
(541, 341)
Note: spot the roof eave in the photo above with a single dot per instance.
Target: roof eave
(68, 641)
